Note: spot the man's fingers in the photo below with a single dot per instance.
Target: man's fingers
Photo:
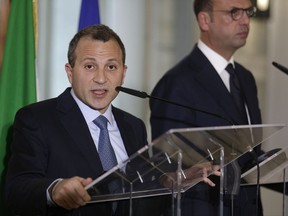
(86, 181)
(217, 173)
(209, 182)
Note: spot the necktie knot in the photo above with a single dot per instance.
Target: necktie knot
(234, 82)
(230, 69)
(101, 122)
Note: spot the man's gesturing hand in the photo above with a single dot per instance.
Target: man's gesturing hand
(70, 193)
(192, 175)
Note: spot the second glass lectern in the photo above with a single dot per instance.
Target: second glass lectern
(166, 165)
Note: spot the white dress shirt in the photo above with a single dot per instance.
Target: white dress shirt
(218, 62)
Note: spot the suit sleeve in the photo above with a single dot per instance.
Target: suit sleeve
(25, 181)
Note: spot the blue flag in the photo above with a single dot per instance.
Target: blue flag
(89, 14)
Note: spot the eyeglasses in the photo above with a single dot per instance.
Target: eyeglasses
(237, 13)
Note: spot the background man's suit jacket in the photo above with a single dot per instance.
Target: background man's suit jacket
(194, 82)
(52, 140)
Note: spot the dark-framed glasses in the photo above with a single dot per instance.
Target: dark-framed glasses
(237, 13)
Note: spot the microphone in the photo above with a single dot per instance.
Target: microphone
(142, 94)
(280, 67)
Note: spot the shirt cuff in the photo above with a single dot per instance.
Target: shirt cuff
(49, 190)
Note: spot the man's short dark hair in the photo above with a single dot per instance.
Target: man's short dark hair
(97, 32)
(202, 5)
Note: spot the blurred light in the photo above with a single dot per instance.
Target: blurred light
(262, 5)
(263, 8)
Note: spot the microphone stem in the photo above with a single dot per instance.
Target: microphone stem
(188, 107)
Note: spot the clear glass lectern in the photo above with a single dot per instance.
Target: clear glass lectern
(166, 165)
(270, 171)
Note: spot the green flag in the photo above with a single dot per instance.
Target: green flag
(18, 74)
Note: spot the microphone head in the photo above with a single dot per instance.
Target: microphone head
(118, 88)
(280, 67)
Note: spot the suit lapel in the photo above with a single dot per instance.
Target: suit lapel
(126, 131)
(212, 83)
(249, 93)
(75, 124)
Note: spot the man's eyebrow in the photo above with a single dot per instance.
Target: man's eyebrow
(95, 59)
(112, 59)
(88, 58)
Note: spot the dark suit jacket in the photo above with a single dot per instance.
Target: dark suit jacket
(194, 82)
(52, 140)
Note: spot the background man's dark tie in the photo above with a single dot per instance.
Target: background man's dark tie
(235, 91)
(233, 170)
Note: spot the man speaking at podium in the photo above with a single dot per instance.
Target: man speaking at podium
(209, 79)
(56, 143)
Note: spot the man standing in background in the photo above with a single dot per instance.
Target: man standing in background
(209, 79)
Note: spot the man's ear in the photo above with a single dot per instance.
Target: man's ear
(204, 20)
(124, 74)
(68, 70)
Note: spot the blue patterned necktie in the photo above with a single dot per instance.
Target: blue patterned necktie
(105, 150)
(107, 155)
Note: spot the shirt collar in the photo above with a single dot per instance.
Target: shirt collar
(217, 61)
(91, 114)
